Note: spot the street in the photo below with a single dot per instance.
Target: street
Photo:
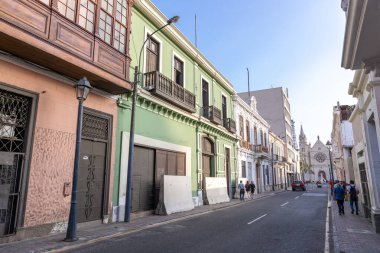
(286, 222)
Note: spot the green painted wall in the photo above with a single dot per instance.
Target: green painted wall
(161, 125)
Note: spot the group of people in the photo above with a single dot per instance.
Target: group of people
(247, 188)
(342, 192)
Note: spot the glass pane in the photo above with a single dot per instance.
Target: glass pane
(101, 34)
(104, 4)
(83, 11)
(82, 21)
(89, 27)
(70, 14)
(91, 7)
(108, 29)
(90, 17)
(61, 8)
(71, 4)
(108, 39)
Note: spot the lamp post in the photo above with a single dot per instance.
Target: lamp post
(83, 88)
(329, 146)
(128, 200)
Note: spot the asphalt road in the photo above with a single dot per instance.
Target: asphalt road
(285, 222)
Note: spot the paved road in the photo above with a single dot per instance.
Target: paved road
(286, 222)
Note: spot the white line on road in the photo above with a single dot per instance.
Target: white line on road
(327, 244)
(297, 197)
(285, 204)
(262, 216)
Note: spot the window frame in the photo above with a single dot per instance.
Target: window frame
(180, 58)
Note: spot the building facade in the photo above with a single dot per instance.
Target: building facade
(45, 48)
(342, 142)
(274, 106)
(184, 117)
(361, 53)
(278, 158)
(253, 159)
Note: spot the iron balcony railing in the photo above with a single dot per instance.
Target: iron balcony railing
(260, 149)
(167, 89)
(213, 114)
(230, 125)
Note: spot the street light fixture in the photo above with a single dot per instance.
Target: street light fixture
(128, 200)
(329, 146)
(83, 88)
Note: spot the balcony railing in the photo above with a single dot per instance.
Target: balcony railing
(230, 125)
(213, 114)
(284, 159)
(167, 89)
(275, 157)
(260, 149)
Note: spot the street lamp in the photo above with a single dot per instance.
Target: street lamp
(329, 146)
(83, 88)
(128, 197)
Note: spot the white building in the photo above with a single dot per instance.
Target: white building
(253, 159)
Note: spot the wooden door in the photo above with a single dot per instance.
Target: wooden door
(206, 166)
(143, 179)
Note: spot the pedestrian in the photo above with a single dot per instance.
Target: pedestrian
(253, 187)
(331, 186)
(354, 191)
(339, 196)
(248, 189)
(241, 188)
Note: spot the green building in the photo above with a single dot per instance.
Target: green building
(184, 114)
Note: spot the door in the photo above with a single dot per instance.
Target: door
(366, 197)
(143, 179)
(15, 117)
(152, 55)
(227, 169)
(206, 165)
(224, 109)
(205, 101)
(91, 174)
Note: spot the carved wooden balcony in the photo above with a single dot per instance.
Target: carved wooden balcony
(213, 114)
(40, 34)
(230, 125)
(167, 89)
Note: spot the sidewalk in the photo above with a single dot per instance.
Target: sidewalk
(96, 233)
(353, 233)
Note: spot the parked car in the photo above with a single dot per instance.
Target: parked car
(319, 184)
(298, 185)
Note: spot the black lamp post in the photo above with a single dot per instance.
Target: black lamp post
(128, 200)
(329, 146)
(83, 87)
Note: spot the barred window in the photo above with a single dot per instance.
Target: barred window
(67, 8)
(87, 15)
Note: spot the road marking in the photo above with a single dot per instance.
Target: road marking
(285, 204)
(262, 216)
(327, 244)
(297, 197)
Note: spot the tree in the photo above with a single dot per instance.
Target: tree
(306, 169)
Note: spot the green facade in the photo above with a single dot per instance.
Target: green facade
(162, 121)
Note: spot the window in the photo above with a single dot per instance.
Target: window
(241, 125)
(247, 131)
(67, 8)
(152, 55)
(265, 139)
(255, 135)
(224, 108)
(87, 15)
(261, 137)
(243, 172)
(205, 98)
(178, 71)
(120, 25)
(105, 27)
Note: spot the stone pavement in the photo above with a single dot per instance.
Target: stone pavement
(353, 233)
(100, 232)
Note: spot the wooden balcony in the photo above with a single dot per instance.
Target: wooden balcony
(213, 114)
(38, 33)
(167, 89)
(230, 125)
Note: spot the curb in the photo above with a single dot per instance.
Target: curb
(104, 238)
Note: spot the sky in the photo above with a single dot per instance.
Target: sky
(294, 44)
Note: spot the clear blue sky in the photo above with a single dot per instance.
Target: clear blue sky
(295, 44)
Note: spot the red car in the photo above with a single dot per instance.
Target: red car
(298, 185)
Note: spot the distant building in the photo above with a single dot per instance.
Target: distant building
(274, 106)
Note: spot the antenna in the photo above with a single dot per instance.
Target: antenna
(195, 28)
(249, 90)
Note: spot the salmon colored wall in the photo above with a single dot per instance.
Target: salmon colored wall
(54, 142)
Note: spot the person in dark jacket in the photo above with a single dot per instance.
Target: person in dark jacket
(354, 191)
(339, 196)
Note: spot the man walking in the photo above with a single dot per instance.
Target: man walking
(242, 191)
(339, 196)
(253, 186)
(353, 197)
